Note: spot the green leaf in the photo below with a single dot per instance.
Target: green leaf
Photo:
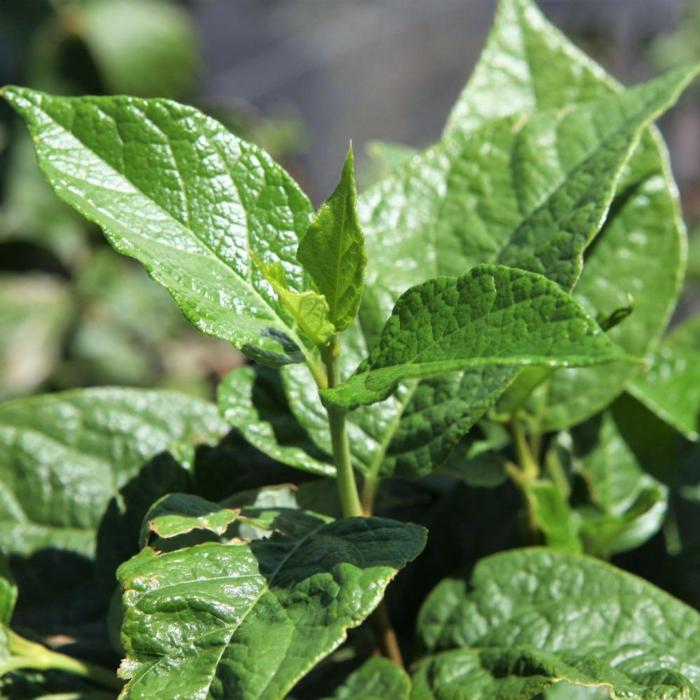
(81, 447)
(309, 309)
(253, 402)
(333, 250)
(376, 679)
(553, 515)
(492, 316)
(421, 213)
(180, 513)
(35, 312)
(640, 250)
(530, 618)
(627, 506)
(498, 194)
(671, 386)
(141, 47)
(8, 591)
(206, 203)
(247, 620)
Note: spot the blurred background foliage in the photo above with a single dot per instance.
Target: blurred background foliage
(298, 78)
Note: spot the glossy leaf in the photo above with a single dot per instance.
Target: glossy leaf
(528, 619)
(64, 456)
(492, 316)
(377, 679)
(253, 402)
(640, 250)
(248, 620)
(421, 214)
(671, 386)
(332, 251)
(206, 203)
(537, 217)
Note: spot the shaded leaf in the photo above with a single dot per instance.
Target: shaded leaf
(376, 679)
(253, 401)
(625, 505)
(553, 515)
(309, 309)
(8, 591)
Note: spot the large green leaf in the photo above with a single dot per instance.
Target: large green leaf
(247, 620)
(422, 214)
(640, 250)
(377, 679)
(671, 386)
(531, 618)
(175, 190)
(492, 316)
(64, 456)
(332, 251)
(527, 190)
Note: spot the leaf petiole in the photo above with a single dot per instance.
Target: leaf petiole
(347, 487)
(27, 654)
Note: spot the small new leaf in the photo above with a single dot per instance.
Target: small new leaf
(309, 309)
(333, 250)
(492, 316)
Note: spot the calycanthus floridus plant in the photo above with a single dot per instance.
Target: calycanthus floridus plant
(484, 313)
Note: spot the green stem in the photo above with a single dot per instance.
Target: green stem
(347, 487)
(349, 498)
(369, 491)
(27, 654)
(558, 475)
(526, 460)
(526, 471)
